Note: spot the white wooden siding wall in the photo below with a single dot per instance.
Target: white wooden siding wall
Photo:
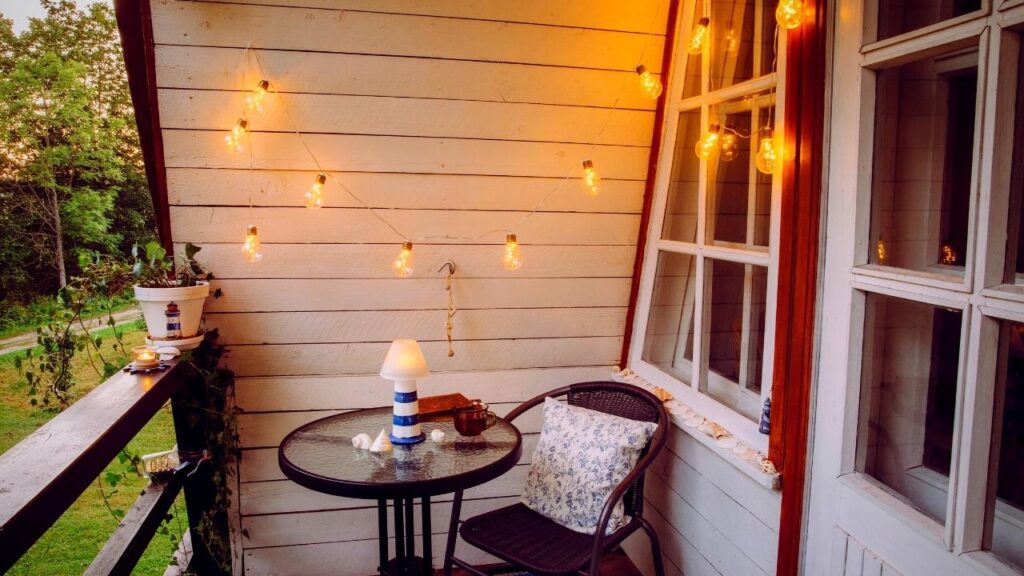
(851, 558)
(454, 118)
(711, 518)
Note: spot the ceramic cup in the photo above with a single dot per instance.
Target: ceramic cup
(473, 420)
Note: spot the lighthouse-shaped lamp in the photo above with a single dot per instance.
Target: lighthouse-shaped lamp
(404, 364)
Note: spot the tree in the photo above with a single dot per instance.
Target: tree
(71, 174)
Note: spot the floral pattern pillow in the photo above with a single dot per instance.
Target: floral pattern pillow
(581, 457)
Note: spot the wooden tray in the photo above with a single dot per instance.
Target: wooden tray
(443, 405)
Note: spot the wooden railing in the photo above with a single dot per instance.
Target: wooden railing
(44, 474)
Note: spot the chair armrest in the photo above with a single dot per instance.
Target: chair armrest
(518, 410)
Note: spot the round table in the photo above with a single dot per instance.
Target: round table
(320, 456)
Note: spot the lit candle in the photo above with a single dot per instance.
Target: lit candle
(144, 357)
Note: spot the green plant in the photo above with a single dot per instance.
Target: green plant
(154, 269)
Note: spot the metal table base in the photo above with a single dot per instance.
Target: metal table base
(405, 562)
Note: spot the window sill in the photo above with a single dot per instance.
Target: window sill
(725, 447)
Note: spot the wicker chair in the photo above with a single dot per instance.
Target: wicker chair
(524, 538)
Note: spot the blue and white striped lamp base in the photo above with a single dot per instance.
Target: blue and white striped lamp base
(405, 417)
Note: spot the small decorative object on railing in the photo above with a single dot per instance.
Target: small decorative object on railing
(765, 426)
(161, 465)
(173, 315)
(144, 357)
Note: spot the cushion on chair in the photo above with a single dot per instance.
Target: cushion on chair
(581, 457)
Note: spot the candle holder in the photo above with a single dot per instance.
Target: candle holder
(403, 365)
(144, 357)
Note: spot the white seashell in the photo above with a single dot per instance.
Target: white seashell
(361, 441)
(727, 442)
(382, 443)
(437, 435)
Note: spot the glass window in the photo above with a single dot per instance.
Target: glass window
(734, 334)
(681, 208)
(669, 340)
(1005, 518)
(898, 16)
(1014, 270)
(908, 399)
(923, 161)
(745, 49)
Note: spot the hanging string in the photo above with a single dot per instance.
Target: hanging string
(373, 211)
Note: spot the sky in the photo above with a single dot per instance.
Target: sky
(21, 10)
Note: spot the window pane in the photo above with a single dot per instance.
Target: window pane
(738, 208)
(681, 207)
(734, 313)
(1014, 271)
(691, 82)
(743, 33)
(1006, 509)
(908, 399)
(898, 16)
(669, 340)
(924, 141)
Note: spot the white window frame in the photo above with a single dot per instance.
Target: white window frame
(689, 392)
(980, 294)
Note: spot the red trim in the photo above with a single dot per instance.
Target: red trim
(798, 272)
(135, 23)
(652, 170)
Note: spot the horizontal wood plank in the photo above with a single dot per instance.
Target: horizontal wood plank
(317, 30)
(293, 393)
(201, 187)
(637, 16)
(300, 295)
(212, 68)
(475, 355)
(374, 261)
(336, 114)
(327, 225)
(206, 149)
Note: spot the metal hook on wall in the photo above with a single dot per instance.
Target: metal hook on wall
(448, 325)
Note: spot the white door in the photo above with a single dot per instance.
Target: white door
(917, 465)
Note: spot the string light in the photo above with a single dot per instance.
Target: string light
(767, 154)
(698, 36)
(512, 260)
(883, 254)
(403, 264)
(254, 100)
(591, 181)
(732, 42)
(315, 196)
(251, 247)
(790, 14)
(730, 146)
(234, 138)
(708, 143)
(949, 256)
(651, 85)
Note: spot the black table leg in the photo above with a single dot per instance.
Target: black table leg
(382, 535)
(410, 534)
(399, 535)
(453, 533)
(428, 560)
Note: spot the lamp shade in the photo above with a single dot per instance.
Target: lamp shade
(404, 361)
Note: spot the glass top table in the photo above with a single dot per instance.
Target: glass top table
(320, 456)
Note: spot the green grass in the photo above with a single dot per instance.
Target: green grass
(18, 318)
(70, 545)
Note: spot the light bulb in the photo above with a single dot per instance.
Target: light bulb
(708, 143)
(254, 100)
(767, 154)
(883, 254)
(949, 256)
(591, 181)
(730, 147)
(512, 260)
(790, 14)
(403, 264)
(698, 36)
(314, 196)
(732, 42)
(650, 84)
(234, 139)
(251, 247)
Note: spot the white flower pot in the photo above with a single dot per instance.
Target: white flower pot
(190, 300)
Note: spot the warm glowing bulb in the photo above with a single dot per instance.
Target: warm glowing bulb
(512, 260)
(790, 14)
(708, 143)
(650, 84)
(698, 36)
(732, 42)
(883, 254)
(234, 139)
(949, 256)
(767, 155)
(730, 147)
(403, 264)
(251, 248)
(254, 100)
(591, 181)
(315, 194)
